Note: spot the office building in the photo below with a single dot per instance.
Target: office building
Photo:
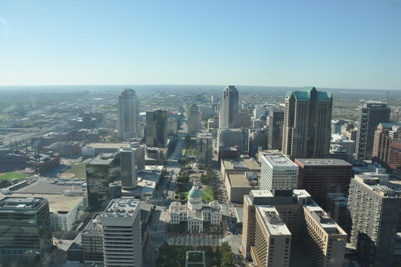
(172, 127)
(375, 212)
(275, 135)
(257, 140)
(244, 118)
(238, 166)
(92, 241)
(127, 115)
(371, 115)
(346, 144)
(277, 172)
(272, 238)
(240, 184)
(322, 176)
(193, 120)
(204, 148)
(232, 138)
(310, 235)
(122, 242)
(307, 124)
(100, 173)
(25, 232)
(386, 145)
(228, 117)
(129, 169)
(156, 128)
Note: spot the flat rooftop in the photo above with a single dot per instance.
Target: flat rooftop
(103, 159)
(327, 223)
(22, 204)
(279, 160)
(323, 162)
(58, 203)
(238, 180)
(93, 225)
(272, 220)
(241, 165)
(108, 145)
(121, 207)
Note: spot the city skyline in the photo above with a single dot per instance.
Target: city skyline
(330, 45)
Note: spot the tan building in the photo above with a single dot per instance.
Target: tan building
(325, 240)
(240, 184)
(238, 166)
(273, 239)
(319, 241)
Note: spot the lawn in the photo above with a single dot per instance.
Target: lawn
(79, 170)
(207, 195)
(11, 175)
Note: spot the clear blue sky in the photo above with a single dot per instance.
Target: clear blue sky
(337, 44)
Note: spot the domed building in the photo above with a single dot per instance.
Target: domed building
(195, 212)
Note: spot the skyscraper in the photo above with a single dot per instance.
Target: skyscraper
(229, 108)
(25, 232)
(156, 128)
(386, 148)
(307, 124)
(322, 176)
(122, 242)
(129, 169)
(193, 120)
(275, 138)
(375, 211)
(371, 115)
(127, 115)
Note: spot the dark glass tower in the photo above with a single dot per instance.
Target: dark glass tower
(25, 232)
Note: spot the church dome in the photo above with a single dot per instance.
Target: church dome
(195, 192)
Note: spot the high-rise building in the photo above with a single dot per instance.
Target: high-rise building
(122, 242)
(229, 108)
(375, 212)
(275, 135)
(322, 176)
(156, 128)
(371, 115)
(307, 227)
(92, 241)
(129, 171)
(204, 149)
(273, 239)
(244, 118)
(127, 115)
(386, 147)
(307, 124)
(25, 232)
(232, 138)
(346, 144)
(193, 120)
(277, 172)
(100, 173)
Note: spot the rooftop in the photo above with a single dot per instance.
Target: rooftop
(103, 159)
(20, 203)
(121, 207)
(238, 180)
(327, 223)
(58, 203)
(272, 220)
(279, 160)
(323, 162)
(245, 164)
(306, 94)
(93, 225)
(107, 145)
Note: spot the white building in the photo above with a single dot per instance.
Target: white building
(277, 172)
(122, 244)
(195, 212)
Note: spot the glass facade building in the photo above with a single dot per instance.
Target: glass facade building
(25, 232)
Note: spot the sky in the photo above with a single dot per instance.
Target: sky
(327, 44)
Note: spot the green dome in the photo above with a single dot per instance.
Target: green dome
(195, 192)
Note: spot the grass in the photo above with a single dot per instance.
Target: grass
(207, 195)
(11, 175)
(79, 170)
